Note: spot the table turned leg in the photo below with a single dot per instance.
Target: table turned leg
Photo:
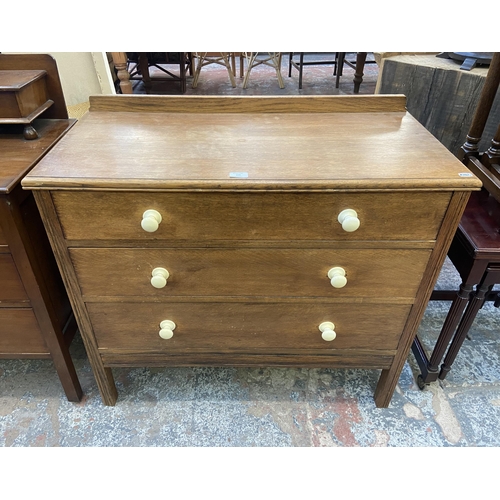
(301, 67)
(429, 367)
(358, 72)
(143, 64)
(475, 303)
(120, 62)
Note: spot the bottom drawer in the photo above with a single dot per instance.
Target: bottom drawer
(246, 327)
(20, 335)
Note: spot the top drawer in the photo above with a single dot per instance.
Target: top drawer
(206, 216)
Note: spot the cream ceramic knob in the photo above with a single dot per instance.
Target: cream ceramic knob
(167, 328)
(337, 277)
(159, 277)
(349, 220)
(327, 330)
(150, 220)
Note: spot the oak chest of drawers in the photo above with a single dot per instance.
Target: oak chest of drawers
(250, 231)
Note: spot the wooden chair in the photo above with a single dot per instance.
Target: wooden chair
(338, 64)
(222, 58)
(475, 249)
(254, 59)
(135, 66)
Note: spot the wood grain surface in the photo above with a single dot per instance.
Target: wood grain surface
(12, 289)
(379, 275)
(286, 151)
(249, 216)
(221, 327)
(18, 156)
(440, 95)
(248, 104)
(249, 191)
(20, 335)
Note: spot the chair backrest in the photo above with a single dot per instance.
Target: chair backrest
(42, 62)
(485, 164)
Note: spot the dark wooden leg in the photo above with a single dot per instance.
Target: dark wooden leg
(483, 109)
(338, 68)
(301, 65)
(144, 68)
(182, 71)
(290, 57)
(242, 65)
(492, 155)
(430, 367)
(475, 304)
(358, 73)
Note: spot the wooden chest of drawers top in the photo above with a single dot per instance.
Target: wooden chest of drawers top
(276, 143)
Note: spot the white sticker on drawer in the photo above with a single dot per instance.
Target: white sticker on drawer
(239, 175)
(465, 174)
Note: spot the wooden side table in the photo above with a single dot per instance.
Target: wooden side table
(475, 249)
(36, 319)
(475, 253)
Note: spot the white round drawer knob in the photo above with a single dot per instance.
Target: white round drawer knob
(337, 277)
(159, 277)
(327, 330)
(150, 220)
(349, 220)
(167, 328)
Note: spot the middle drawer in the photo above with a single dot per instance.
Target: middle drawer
(127, 272)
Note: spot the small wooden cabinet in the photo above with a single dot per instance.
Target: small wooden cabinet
(255, 231)
(23, 97)
(36, 319)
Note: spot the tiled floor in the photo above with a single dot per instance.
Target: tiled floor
(239, 407)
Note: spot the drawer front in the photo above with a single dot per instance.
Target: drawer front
(250, 216)
(11, 286)
(248, 272)
(3, 239)
(20, 334)
(219, 327)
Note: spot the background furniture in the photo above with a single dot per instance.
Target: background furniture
(36, 320)
(223, 58)
(299, 65)
(338, 64)
(440, 95)
(23, 97)
(135, 66)
(254, 59)
(288, 250)
(475, 250)
(52, 81)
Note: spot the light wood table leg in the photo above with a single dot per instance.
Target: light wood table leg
(120, 62)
